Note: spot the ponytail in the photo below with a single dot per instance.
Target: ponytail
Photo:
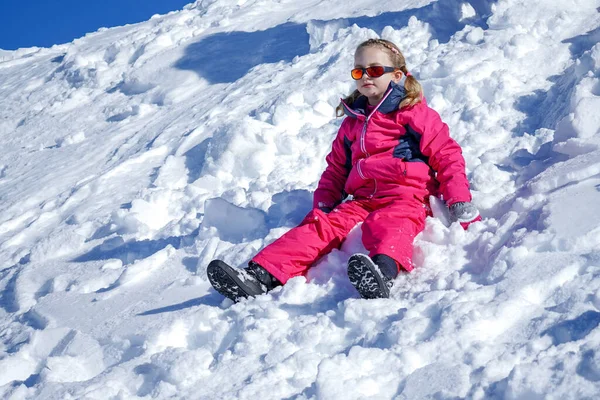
(414, 90)
(339, 110)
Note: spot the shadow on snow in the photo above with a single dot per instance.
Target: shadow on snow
(128, 252)
(574, 329)
(226, 57)
(213, 299)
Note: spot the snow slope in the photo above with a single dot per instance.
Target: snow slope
(133, 156)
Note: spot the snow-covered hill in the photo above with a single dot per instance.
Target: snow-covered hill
(133, 156)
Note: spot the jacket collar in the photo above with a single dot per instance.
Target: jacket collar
(389, 103)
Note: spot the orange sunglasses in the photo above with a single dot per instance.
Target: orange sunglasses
(374, 71)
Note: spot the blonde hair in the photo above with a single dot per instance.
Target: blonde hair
(414, 90)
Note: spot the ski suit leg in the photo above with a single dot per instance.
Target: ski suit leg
(391, 230)
(294, 253)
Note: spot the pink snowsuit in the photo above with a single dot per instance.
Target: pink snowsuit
(389, 161)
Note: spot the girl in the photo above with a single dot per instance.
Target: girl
(391, 153)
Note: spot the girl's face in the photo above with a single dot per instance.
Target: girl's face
(374, 88)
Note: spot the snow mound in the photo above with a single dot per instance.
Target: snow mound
(133, 156)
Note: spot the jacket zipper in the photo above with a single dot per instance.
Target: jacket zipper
(359, 169)
(363, 146)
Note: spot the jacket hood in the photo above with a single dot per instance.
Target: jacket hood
(389, 103)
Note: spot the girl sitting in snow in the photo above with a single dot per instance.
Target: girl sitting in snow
(391, 153)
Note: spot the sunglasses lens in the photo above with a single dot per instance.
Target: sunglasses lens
(375, 72)
(357, 73)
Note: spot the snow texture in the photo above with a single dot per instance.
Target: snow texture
(133, 156)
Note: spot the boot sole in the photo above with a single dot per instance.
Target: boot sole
(226, 280)
(364, 277)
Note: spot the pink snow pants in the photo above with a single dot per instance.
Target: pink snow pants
(389, 227)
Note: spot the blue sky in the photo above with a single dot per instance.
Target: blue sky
(43, 23)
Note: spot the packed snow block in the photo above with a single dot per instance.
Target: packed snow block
(183, 368)
(173, 174)
(70, 139)
(437, 380)
(439, 210)
(358, 375)
(142, 269)
(321, 32)
(234, 224)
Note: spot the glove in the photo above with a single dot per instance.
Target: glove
(326, 210)
(465, 213)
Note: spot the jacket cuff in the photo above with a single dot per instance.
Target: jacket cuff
(453, 198)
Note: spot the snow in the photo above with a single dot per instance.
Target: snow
(134, 156)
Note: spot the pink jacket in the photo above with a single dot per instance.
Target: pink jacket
(391, 152)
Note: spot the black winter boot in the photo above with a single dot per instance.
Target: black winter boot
(263, 275)
(237, 283)
(373, 278)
